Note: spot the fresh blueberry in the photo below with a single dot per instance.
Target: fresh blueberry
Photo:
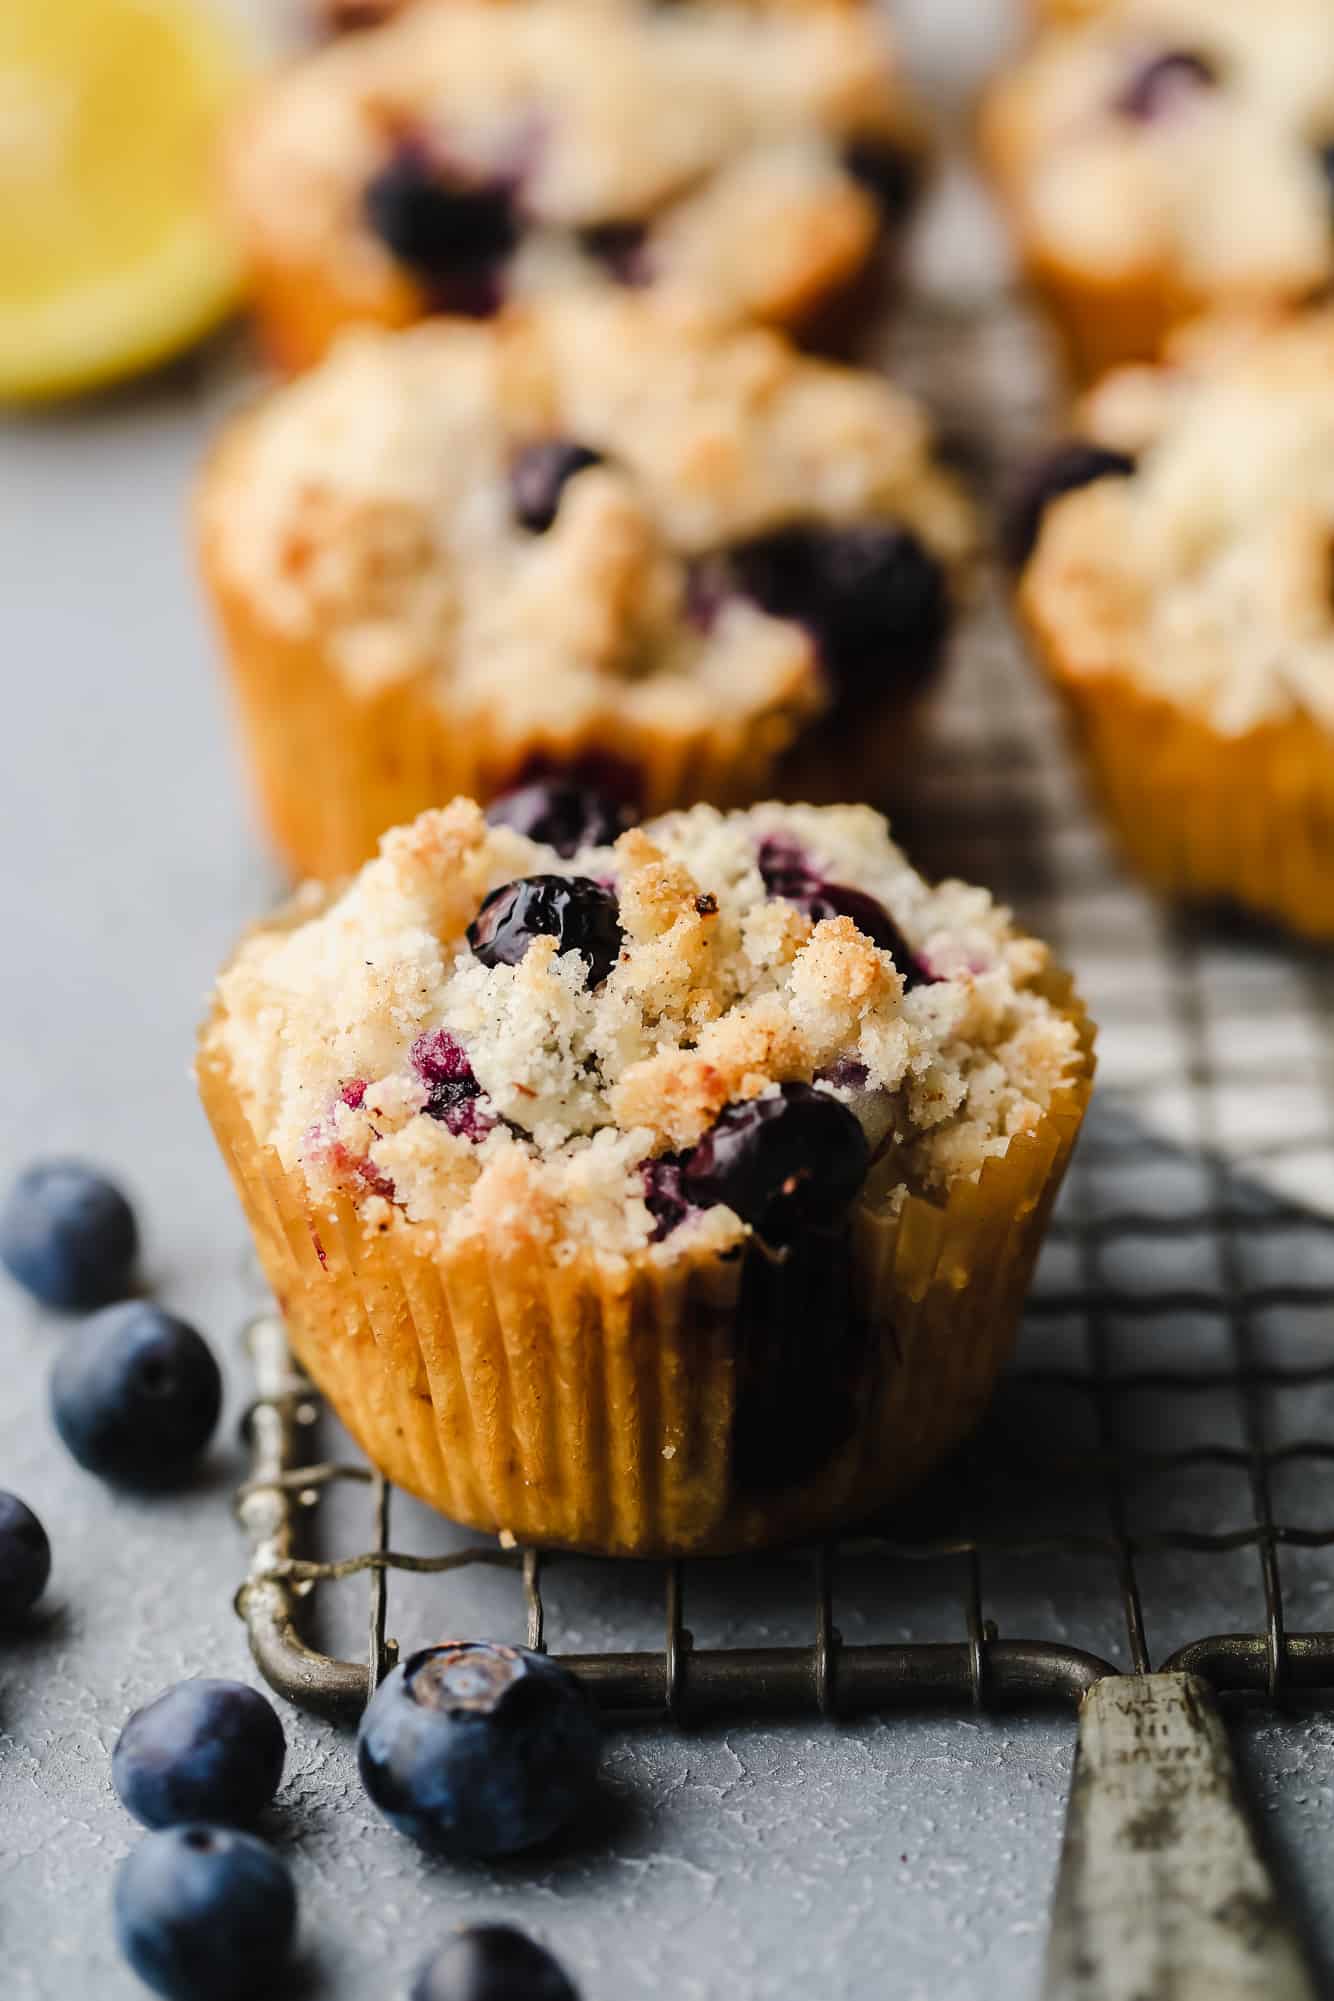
(579, 914)
(1064, 469)
(135, 1394)
(788, 872)
(453, 1094)
(538, 476)
(205, 1913)
(873, 596)
(205, 1750)
(491, 1963)
(622, 249)
(452, 233)
(25, 1558)
(1167, 81)
(561, 815)
(478, 1749)
(890, 175)
(786, 1164)
(68, 1235)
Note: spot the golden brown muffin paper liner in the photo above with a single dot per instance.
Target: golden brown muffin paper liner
(1203, 816)
(619, 1405)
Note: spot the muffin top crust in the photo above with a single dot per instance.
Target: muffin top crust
(580, 510)
(1186, 144)
(1202, 570)
(473, 153)
(608, 1046)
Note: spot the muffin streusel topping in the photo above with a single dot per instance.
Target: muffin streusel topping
(479, 1028)
(539, 514)
(1207, 573)
(1185, 138)
(717, 134)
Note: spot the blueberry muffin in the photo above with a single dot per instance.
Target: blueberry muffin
(341, 16)
(1179, 591)
(467, 154)
(1164, 157)
(581, 539)
(677, 1194)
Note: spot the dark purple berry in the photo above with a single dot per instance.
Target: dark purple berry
(206, 1914)
(786, 1164)
(453, 1093)
(622, 248)
(873, 597)
(538, 476)
(135, 1395)
(787, 872)
(1162, 85)
(581, 915)
(614, 778)
(664, 1196)
(491, 1963)
(786, 869)
(450, 232)
(25, 1558)
(561, 815)
(890, 174)
(834, 899)
(68, 1235)
(204, 1750)
(1065, 469)
(477, 1749)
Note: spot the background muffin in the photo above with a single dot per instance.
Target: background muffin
(1181, 598)
(555, 1161)
(337, 16)
(468, 154)
(1166, 156)
(584, 539)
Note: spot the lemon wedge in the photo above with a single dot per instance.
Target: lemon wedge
(110, 256)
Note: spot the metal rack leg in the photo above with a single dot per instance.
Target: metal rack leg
(1162, 1894)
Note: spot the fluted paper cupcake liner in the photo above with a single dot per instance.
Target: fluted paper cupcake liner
(659, 1405)
(1102, 326)
(1203, 816)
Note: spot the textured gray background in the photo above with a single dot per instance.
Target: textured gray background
(909, 1856)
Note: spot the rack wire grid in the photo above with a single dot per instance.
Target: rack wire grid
(1155, 1484)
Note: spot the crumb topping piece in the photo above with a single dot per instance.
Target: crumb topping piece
(734, 1065)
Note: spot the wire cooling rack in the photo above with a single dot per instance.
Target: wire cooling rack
(1155, 1484)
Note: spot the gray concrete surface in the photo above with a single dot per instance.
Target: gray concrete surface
(906, 1857)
